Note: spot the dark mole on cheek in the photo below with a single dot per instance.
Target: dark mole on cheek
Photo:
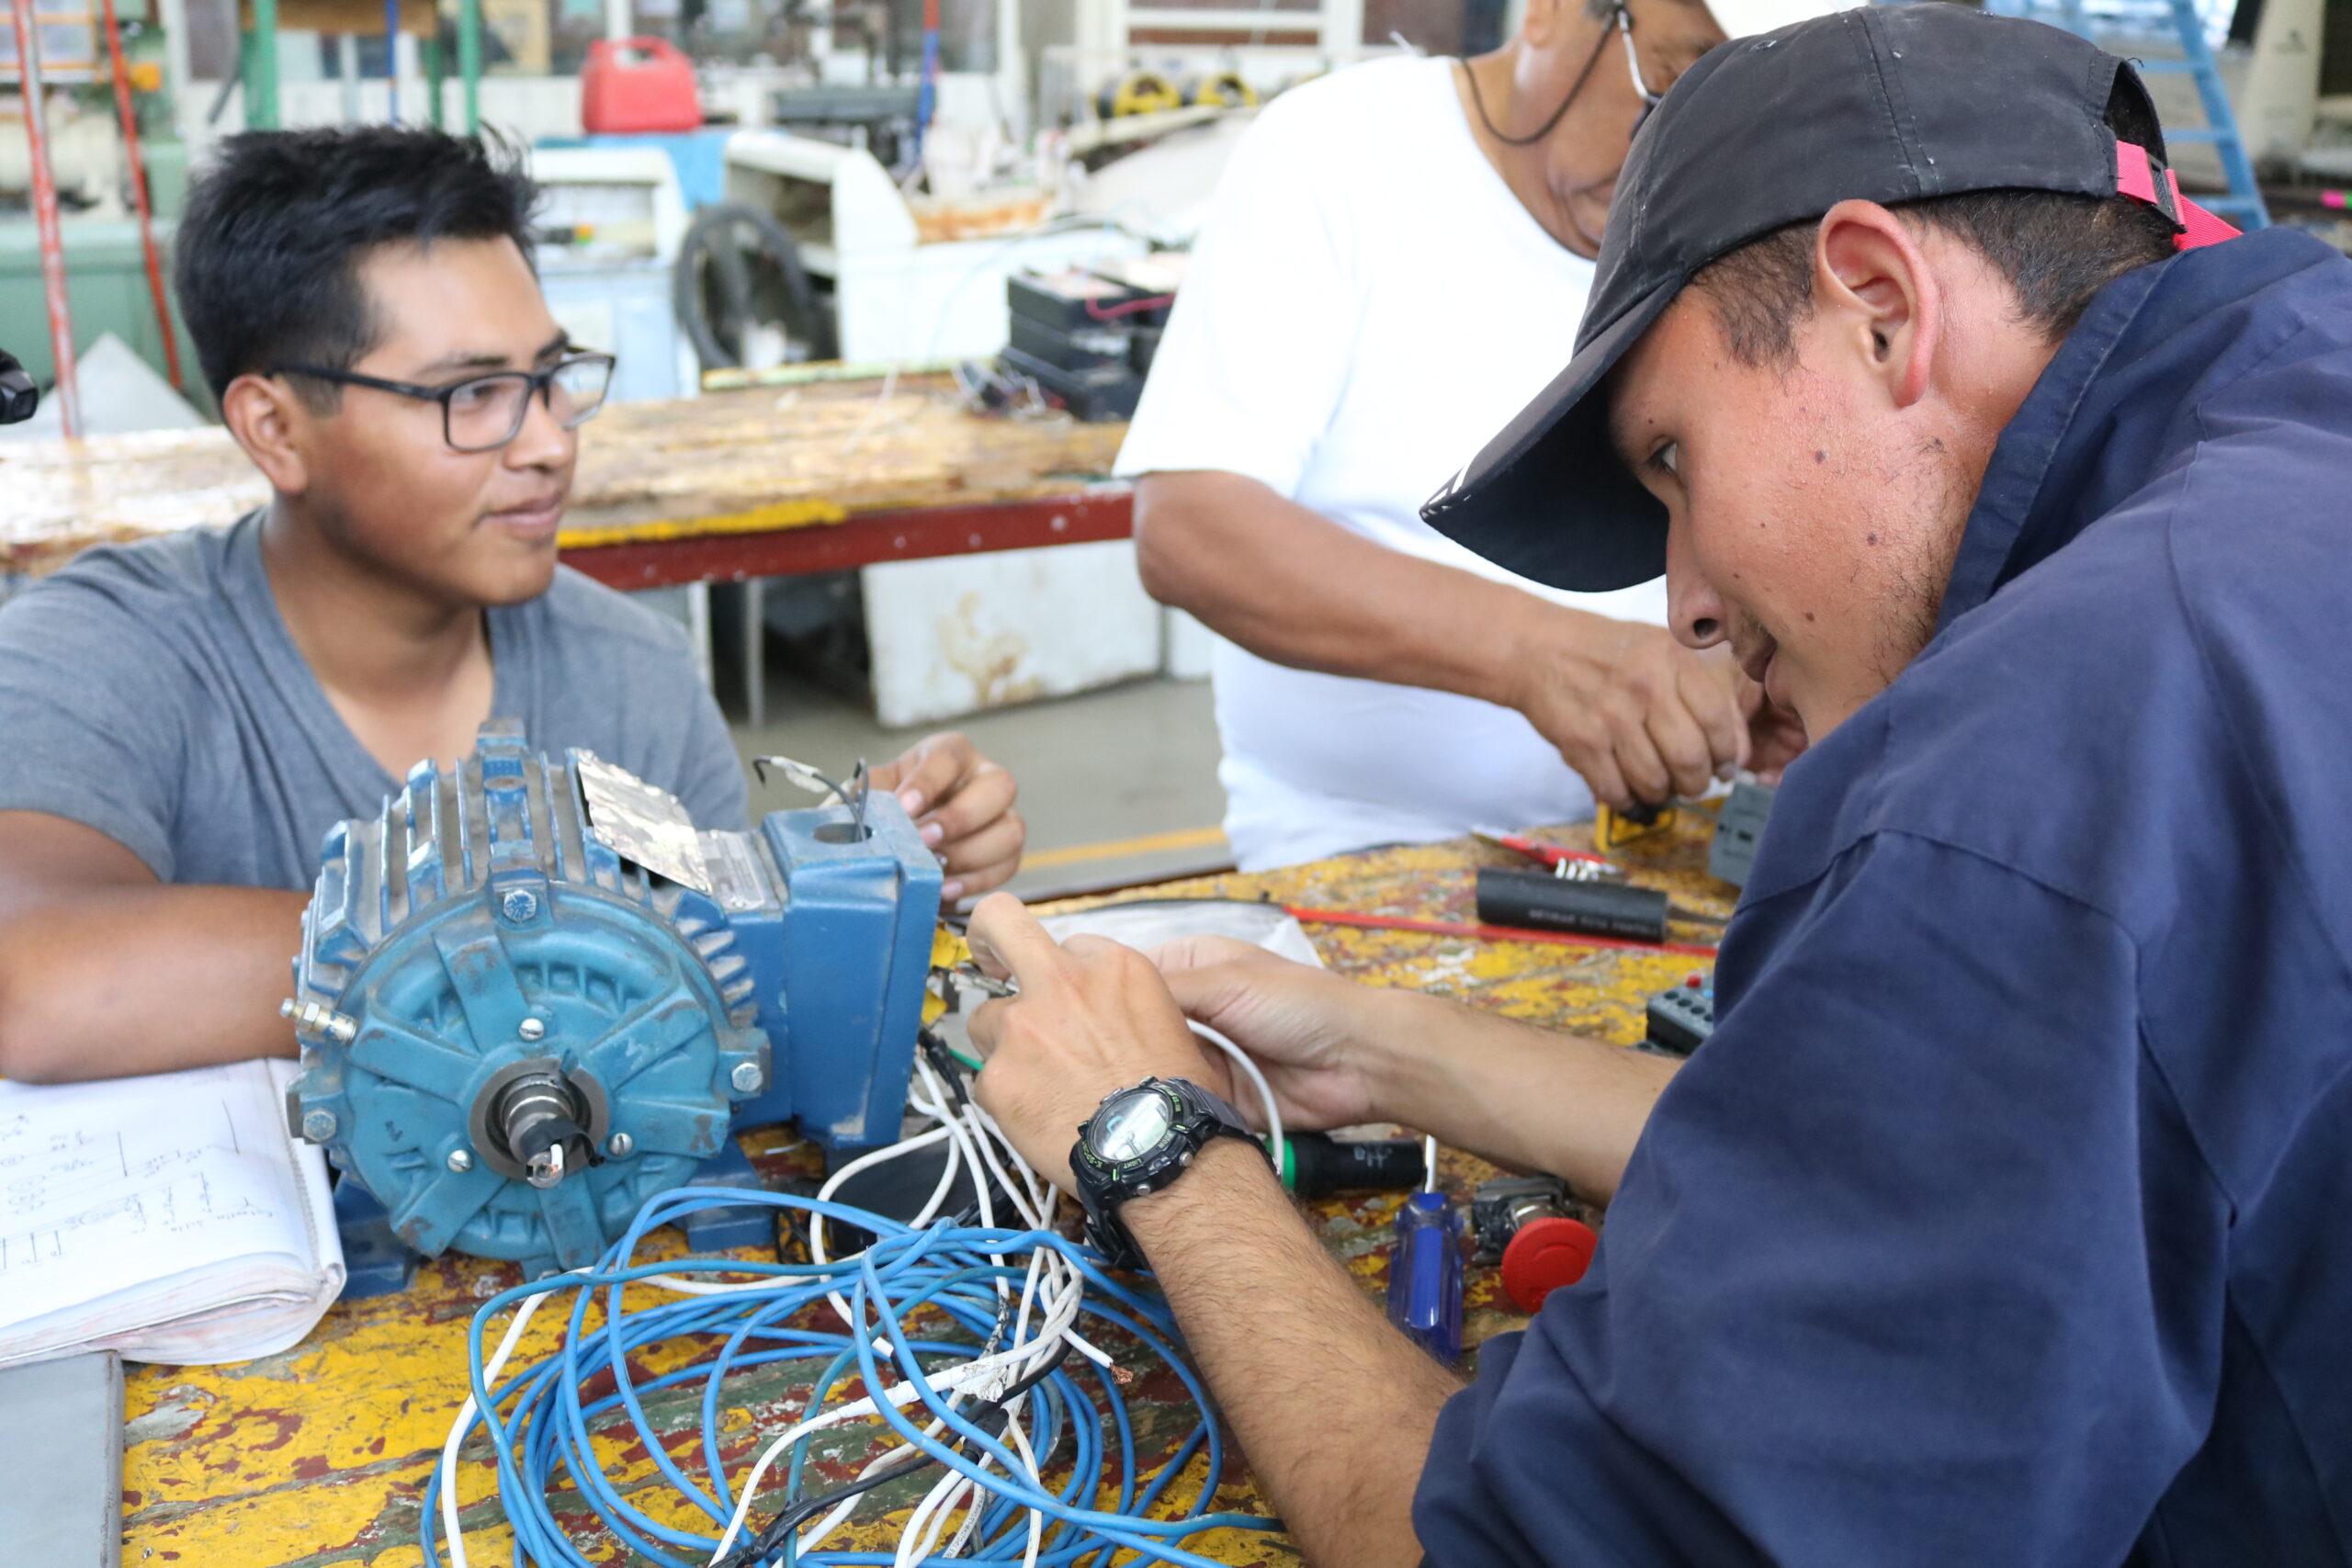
(1808, 615)
(1873, 538)
(1819, 456)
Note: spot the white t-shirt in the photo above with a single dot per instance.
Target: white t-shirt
(1367, 305)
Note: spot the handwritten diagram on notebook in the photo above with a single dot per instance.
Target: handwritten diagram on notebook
(169, 1217)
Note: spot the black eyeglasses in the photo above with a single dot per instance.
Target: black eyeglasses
(482, 413)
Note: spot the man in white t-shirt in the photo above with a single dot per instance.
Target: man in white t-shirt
(1395, 264)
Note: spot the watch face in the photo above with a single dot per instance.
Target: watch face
(1131, 1126)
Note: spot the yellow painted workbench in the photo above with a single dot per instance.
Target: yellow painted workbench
(320, 1455)
(762, 461)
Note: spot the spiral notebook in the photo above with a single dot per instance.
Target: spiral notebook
(170, 1217)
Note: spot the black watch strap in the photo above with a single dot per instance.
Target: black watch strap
(1201, 1117)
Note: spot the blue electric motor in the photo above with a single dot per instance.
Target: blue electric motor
(532, 995)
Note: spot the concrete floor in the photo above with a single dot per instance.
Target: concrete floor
(1118, 787)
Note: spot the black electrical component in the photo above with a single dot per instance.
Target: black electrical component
(1093, 396)
(1072, 300)
(1144, 348)
(897, 1190)
(1681, 1020)
(1523, 1223)
(1075, 333)
(1498, 1206)
(1536, 900)
(18, 396)
(1076, 349)
(1319, 1165)
(1738, 829)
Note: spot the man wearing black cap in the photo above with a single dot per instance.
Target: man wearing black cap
(2002, 1220)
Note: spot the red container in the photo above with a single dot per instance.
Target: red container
(638, 84)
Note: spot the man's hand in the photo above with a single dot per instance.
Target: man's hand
(963, 804)
(1296, 1021)
(1643, 718)
(1334, 1407)
(1092, 1018)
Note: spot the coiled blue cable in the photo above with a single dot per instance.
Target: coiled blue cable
(541, 1422)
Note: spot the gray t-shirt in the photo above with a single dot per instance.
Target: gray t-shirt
(152, 693)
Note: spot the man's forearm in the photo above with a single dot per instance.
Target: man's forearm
(1528, 1098)
(115, 982)
(1292, 586)
(1334, 1407)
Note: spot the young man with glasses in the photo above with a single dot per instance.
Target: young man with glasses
(1395, 262)
(182, 720)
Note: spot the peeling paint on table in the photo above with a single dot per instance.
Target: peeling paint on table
(719, 466)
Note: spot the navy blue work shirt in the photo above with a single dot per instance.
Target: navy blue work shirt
(2008, 1218)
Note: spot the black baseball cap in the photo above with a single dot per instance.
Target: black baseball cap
(1883, 103)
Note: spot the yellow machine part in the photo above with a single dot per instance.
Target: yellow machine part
(1139, 92)
(1222, 89)
(1611, 827)
(948, 949)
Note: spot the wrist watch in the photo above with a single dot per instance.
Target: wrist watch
(1139, 1140)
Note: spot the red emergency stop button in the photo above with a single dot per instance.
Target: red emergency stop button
(1547, 1253)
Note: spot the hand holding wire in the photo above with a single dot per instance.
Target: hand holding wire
(1092, 1017)
(1295, 1024)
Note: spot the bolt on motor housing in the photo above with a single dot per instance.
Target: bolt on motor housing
(533, 995)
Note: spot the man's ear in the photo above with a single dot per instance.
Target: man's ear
(270, 422)
(1543, 26)
(1874, 292)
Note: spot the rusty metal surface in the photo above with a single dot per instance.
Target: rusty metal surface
(743, 462)
(318, 1457)
(1100, 512)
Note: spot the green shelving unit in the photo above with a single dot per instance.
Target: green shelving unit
(258, 67)
(106, 283)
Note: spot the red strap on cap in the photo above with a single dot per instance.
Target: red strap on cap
(2136, 176)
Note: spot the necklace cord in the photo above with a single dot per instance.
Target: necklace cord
(1479, 103)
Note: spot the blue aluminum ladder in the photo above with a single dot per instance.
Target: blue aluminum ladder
(2242, 205)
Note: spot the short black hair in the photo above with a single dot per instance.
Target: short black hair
(269, 246)
(2056, 251)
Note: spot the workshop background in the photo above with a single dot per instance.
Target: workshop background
(941, 237)
(885, 278)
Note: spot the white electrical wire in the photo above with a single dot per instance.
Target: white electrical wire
(1277, 1148)
(1051, 1288)
(496, 1364)
(1052, 1291)
(1275, 1145)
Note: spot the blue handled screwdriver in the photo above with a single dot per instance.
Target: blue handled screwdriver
(1425, 1268)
